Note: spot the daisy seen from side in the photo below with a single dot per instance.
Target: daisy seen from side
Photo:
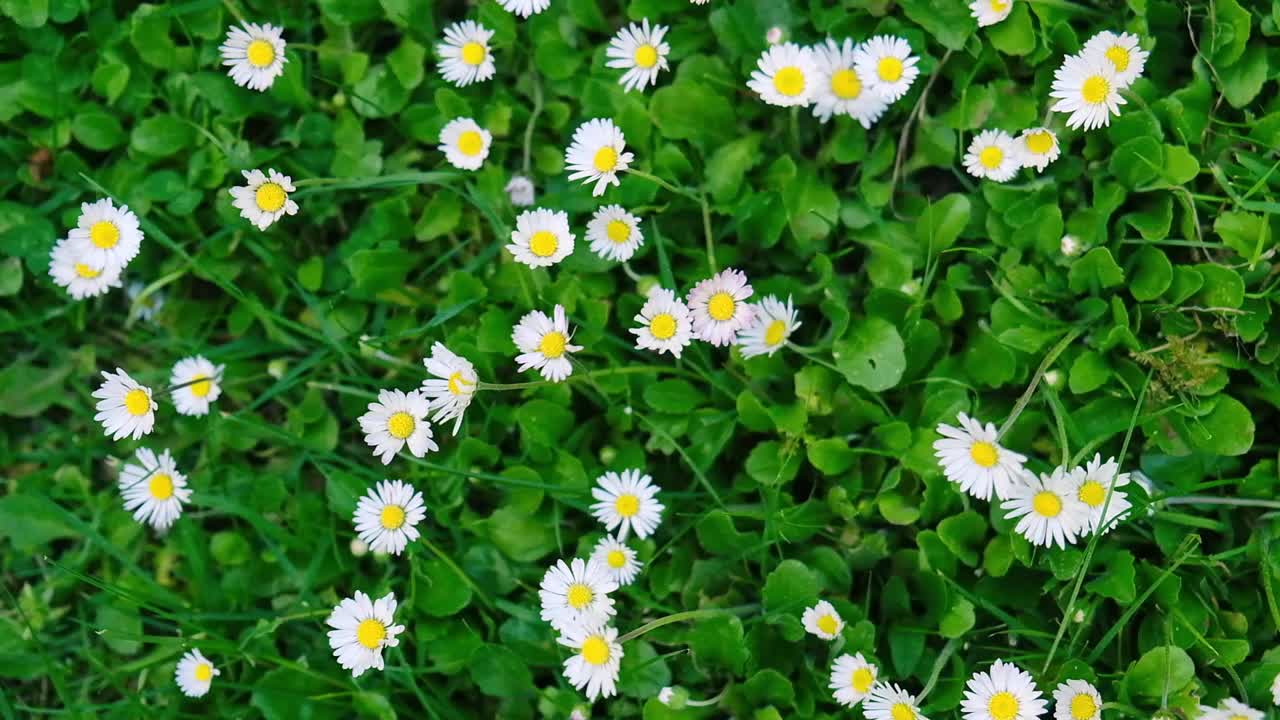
(387, 517)
(125, 407)
(627, 502)
(525, 8)
(362, 627)
(770, 328)
(852, 678)
(264, 198)
(1093, 484)
(614, 233)
(990, 12)
(541, 238)
(1038, 147)
(153, 489)
(822, 620)
(593, 668)
(666, 325)
(452, 386)
(890, 702)
(194, 674)
(719, 307)
(972, 457)
(195, 383)
(520, 191)
(254, 55)
(398, 419)
(597, 154)
(544, 344)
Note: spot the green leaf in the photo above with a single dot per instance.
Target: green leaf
(717, 534)
(831, 456)
(942, 222)
(230, 548)
(1161, 672)
(1118, 582)
(445, 593)
(29, 14)
(1180, 166)
(1223, 287)
(717, 643)
(162, 135)
(896, 510)
(958, 620)
(408, 63)
(1246, 233)
(97, 130)
(692, 111)
(1138, 161)
(963, 535)
(790, 588)
(1228, 35)
(948, 21)
(673, 396)
(1014, 35)
(375, 270)
(1227, 430)
(10, 276)
(871, 355)
(519, 535)
(499, 672)
(1089, 372)
(118, 625)
(770, 687)
(1242, 82)
(30, 521)
(1096, 271)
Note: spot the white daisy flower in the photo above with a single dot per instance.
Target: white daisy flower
(769, 329)
(994, 155)
(254, 55)
(153, 489)
(1091, 487)
(666, 325)
(838, 90)
(627, 501)
(614, 233)
(196, 382)
(464, 143)
(597, 154)
(541, 238)
(1077, 700)
(1127, 58)
(990, 12)
(464, 55)
(194, 674)
(106, 237)
(971, 457)
(822, 620)
(264, 198)
(361, 628)
(1049, 511)
(520, 190)
(544, 344)
(387, 516)
(886, 65)
(1004, 692)
(1038, 147)
(1070, 245)
(452, 386)
(525, 8)
(124, 406)
(596, 659)
(890, 702)
(395, 420)
(852, 678)
(69, 268)
(640, 51)
(1233, 709)
(1275, 690)
(787, 76)
(719, 307)
(1087, 88)
(149, 306)
(577, 593)
(618, 559)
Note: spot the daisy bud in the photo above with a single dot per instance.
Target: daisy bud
(1054, 378)
(774, 35)
(1070, 245)
(674, 697)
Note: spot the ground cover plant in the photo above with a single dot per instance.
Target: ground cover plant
(639, 359)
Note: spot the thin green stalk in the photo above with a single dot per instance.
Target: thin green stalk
(943, 657)
(663, 183)
(686, 615)
(706, 231)
(1045, 364)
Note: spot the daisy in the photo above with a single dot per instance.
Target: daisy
(640, 51)
(194, 674)
(464, 143)
(666, 325)
(1048, 507)
(154, 490)
(1070, 245)
(395, 420)
(1275, 690)
(597, 656)
(544, 344)
(1091, 487)
(520, 190)
(464, 55)
(106, 237)
(618, 559)
(541, 238)
(1122, 51)
(719, 308)
(1077, 700)
(890, 702)
(387, 516)
(887, 66)
(362, 627)
(1233, 709)
(1086, 87)
(627, 501)
(264, 198)
(990, 12)
(786, 76)
(147, 306)
(769, 329)
(69, 268)
(1038, 147)
(994, 155)
(124, 406)
(838, 90)
(452, 387)
(971, 457)
(852, 678)
(525, 8)
(597, 154)
(1004, 692)
(195, 383)
(577, 593)
(255, 55)
(822, 620)
(614, 233)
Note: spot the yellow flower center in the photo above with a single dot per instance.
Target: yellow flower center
(889, 69)
(1237, 717)
(392, 517)
(828, 624)
(104, 234)
(86, 272)
(663, 326)
(775, 333)
(552, 345)
(862, 679)
(260, 53)
(595, 650)
(456, 383)
(627, 505)
(1092, 493)
(990, 157)
(845, 84)
(161, 486)
(1119, 57)
(270, 197)
(984, 453)
(617, 231)
(1083, 707)
(1046, 504)
(646, 56)
(1095, 89)
(902, 711)
(370, 633)
(999, 6)
(1003, 706)
(137, 402)
(201, 388)
(616, 559)
(579, 596)
(470, 143)
(203, 672)
(721, 306)
(400, 425)
(789, 81)
(543, 243)
(606, 159)
(473, 53)
(1040, 142)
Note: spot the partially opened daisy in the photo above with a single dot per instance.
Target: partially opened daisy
(541, 238)
(618, 559)
(851, 679)
(639, 50)
(577, 593)
(838, 90)
(464, 55)
(254, 55)
(1077, 700)
(106, 237)
(264, 198)
(597, 154)
(786, 76)
(972, 458)
(1004, 692)
(69, 269)
(890, 702)
(614, 233)
(398, 419)
(149, 305)
(451, 387)
(1039, 147)
(886, 66)
(464, 143)
(666, 325)
(196, 382)
(1092, 486)
(361, 629)
(1047, 508)
(993, 155)
(194, 674)
(822, 620)
(387, 516)
(153, 489)
(769, 330)
(525, 8)
(544, 344)
(627, 502)
(720, 308)
(124, 406)
(593, 668)
(520, 191)
(1086, 87)
(1127, 58)
(990, 12)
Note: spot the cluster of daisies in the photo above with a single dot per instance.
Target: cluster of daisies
(92, 258)
(1059, 508)
(128, 408)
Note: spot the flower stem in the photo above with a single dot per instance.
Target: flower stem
(663, 183)
(1035, 379)
(686, 615)
(706, 230)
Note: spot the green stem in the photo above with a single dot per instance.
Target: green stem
(663, 183)
(1232, 502)
(947, 651)
(1035, 379)
(633, 370)
(533, 120)
(706, 230)
(343, 389)
(475, 589)
(686, 615)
